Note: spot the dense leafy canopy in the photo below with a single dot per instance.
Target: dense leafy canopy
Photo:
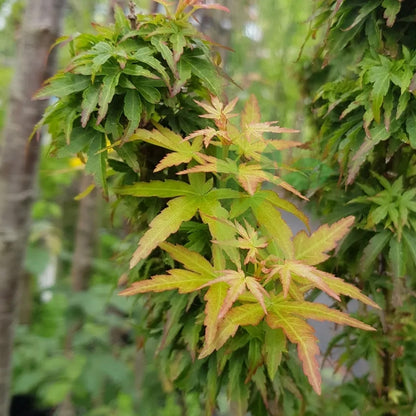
(139, 105)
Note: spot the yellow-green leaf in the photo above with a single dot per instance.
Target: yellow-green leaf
(166, 223)
(273, 224)
(214, 298)
(183, 280)
(319, 312)
(190, 259)
(162, 189)
(247, 314)
(343, 288)
(312, 249)
(299, 332)
(274, 346)
(312, 274)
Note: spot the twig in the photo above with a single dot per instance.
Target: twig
(132, 15)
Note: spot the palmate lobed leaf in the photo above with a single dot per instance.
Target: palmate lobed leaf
(312, 249)
(295, 268)
(180, 157)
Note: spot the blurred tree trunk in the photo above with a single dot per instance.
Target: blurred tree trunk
(18, 165)
(85, 239)
(154, 7)
(113, 4)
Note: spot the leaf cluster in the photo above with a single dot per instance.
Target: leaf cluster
(364, 112)
(150, 91)
(120, 79)
(259, 273)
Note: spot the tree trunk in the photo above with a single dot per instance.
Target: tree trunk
(154, 7)
(84, 238)
(18, 165)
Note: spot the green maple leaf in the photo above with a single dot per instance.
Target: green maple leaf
(182, 151)
(179, 210)
(190, 198)
(275, 229)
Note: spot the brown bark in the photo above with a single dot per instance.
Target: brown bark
(18, 166)
(113, 4)
(154, 7)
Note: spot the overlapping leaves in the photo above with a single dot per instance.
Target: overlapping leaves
(259, 270)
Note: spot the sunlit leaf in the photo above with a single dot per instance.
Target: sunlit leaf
(299, 332)
(313, 249)
(183, 280)
(167, 222)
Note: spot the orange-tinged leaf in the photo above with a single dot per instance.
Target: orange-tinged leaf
(319, 312)
(251, 112)
(216, 110)
(216, 6)
(237, 288)
(208, 134)
(214, 298)
(312, 274)
(236, 282)
(299, 332)
(257, 290)
(282, 144)
(343, 288)
(312, 249)
(280, 182)
(190, 259)
(162, 226)
(247, 314)
(251, 176)
(183, 280)
(285, 279)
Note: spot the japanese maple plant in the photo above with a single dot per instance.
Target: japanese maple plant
(142, 96)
